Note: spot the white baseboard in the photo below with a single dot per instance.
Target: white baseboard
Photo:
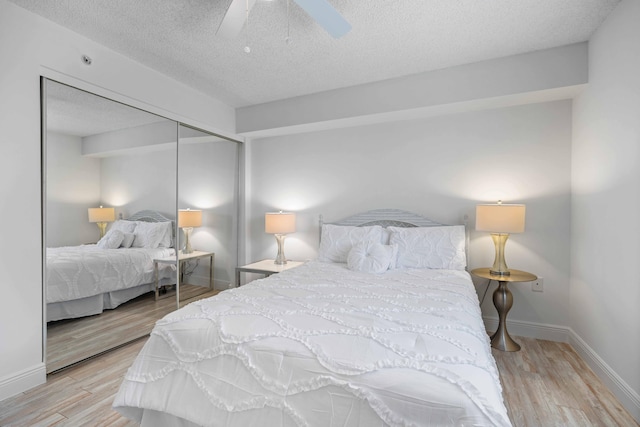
(628, 397)
(23, 381)
(530, 329)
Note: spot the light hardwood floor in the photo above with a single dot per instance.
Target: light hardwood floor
(545, 384)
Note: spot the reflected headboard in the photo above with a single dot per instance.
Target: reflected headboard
(154, 216)
(148, 216)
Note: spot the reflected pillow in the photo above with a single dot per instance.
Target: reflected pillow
(124, 226)
(337, 240)
(370, 257)
(151, 234)
(167, 237)
(430, 247)
(111, 240)
(127, 241)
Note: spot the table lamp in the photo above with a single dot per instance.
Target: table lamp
(500, 220)
(280, 224)
(187, 219)
(101, 216)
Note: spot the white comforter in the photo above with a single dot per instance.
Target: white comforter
(322, 345)
(75, 272)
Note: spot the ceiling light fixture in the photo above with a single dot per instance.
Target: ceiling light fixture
(287, 39)
(320, 11)
(247, 49)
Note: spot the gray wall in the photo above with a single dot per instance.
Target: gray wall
(439, 167)
(139, 181)
(605, 289)
(73, 186)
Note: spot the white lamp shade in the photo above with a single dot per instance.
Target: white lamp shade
(189, 218)
(279, 222)
(102, 214)
(500, 218)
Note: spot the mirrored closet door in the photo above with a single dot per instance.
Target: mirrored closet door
(111, 216)
(208, 211)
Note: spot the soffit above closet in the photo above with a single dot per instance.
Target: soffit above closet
(388, 39)
(71, 111)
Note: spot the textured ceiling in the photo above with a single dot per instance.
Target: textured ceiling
(390, 38)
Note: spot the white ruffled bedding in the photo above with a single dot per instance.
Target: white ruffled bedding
(75, 272)
(322, 345)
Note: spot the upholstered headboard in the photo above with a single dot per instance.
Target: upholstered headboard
(392, 218)
(386, 218)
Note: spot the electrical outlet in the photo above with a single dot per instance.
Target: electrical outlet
(537, 285)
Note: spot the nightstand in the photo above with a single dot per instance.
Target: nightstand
(181, 258)
(503, 300)
(266, 267)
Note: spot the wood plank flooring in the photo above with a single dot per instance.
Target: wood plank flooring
(545, 384)
(70, 341)
(78, 396)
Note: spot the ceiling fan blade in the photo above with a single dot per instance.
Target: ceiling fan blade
(326, 15)
(234, 19)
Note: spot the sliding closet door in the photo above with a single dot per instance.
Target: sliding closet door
(103, 162)
(208, 203)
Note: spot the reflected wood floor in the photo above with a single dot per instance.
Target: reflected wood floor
(545, 384)
(70, 341)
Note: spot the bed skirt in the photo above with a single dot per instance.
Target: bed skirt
(98, 303)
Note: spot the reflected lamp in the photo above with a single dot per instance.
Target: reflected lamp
(187, 220)
(280, 224)
(500, 220)
(101, 216)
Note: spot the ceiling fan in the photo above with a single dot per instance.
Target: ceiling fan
(320, 10)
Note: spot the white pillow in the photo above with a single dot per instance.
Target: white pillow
(111, 240)
(337, 240)
(370, 257)
(394, 257)
(167, 237)
(149, 234)
(124, 226)
(127, 241)
(430, 247)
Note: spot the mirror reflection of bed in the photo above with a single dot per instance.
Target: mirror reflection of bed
(101, 296)
(101, 292)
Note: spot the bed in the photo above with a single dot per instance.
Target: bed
(85, 280)
(384, 328)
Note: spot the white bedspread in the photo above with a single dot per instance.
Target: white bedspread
(75, 272)
(322, 345)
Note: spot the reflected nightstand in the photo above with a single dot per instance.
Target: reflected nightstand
(503, 300)
(182, 258)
